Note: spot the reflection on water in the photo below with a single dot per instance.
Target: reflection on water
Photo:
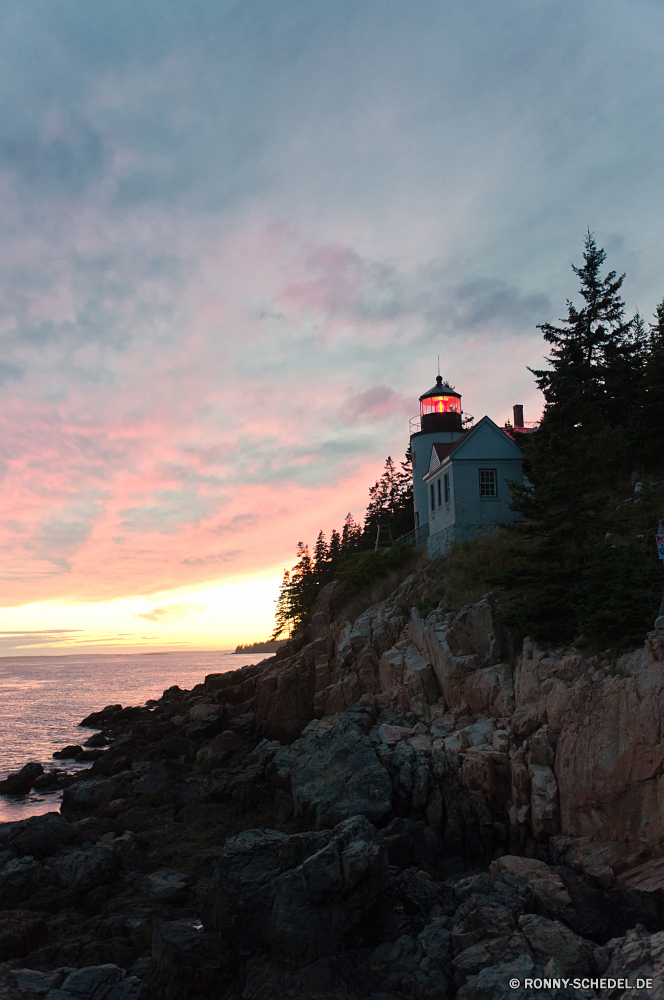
(43, 698)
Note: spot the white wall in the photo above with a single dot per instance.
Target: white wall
(468, 514)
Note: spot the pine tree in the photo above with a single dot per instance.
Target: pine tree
(651, 416)
(303, 587)
(588, 349)
(350, 536)
(283, 615)
(334, 551)
(321, 558)
(404, 508)
(390, 501)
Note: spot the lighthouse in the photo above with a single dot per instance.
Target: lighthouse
(462, 475)
(440, 421)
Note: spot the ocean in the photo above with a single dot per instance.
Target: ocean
(43, 698)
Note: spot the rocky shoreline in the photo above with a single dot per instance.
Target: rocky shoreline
(391, 807)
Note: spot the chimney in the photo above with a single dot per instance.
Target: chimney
(518, 416)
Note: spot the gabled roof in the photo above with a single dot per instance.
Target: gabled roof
(440, 451)
(486, 441)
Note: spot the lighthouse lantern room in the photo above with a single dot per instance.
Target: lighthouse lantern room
(440, 408)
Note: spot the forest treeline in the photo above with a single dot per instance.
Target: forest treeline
(350, 553)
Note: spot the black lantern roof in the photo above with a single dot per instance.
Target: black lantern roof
(440, 389)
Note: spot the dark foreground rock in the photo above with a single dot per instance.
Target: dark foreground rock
(381, 811)
(20, 782)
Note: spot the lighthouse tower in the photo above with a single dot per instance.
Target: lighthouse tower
(439, 422)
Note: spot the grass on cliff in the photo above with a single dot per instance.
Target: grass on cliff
(368, 578)
(471, 569)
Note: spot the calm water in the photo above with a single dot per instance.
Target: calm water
(43, 698)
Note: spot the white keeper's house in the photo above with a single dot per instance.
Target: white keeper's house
(460, 470)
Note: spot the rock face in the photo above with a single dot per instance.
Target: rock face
(575, 748)
(333, 772)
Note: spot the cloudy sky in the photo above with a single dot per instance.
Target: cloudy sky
(236, 235)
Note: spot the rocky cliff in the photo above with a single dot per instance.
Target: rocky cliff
(393, 806)
(562, 748)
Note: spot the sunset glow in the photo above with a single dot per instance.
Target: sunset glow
(235, 240)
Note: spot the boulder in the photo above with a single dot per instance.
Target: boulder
(99, 982)
(206, 720)
(97, 740)
(407, 680)
(41, 836)
(48, 780)
(18, 878)
(391, 735)
(100, 717)
(296, 896)
(248, 864)
(549, 939)
(71, 752)
(474, 632)
(467, 657)
(93, 793)
(114, 715)
(33, 981)
(20, 782)
(489, 983)
(83, 870)
(219, 749)
(547, 886)
(111, 763)
(334, 773)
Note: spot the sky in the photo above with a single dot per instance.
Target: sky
(235, 237)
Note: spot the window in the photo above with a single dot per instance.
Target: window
(447, 487)
(439, 500)
(488, 483)
(433, 498)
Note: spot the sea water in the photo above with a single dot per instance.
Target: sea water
(43, 698)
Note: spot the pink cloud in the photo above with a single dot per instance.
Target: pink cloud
(378, 403)
(202, 434)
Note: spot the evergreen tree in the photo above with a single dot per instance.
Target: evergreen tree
(350, 536)
(651, 422)
(404, 517)
(321, 558)
(334, 551)
(303, 585)
(283, 615)
(590, 351)
(390, 501)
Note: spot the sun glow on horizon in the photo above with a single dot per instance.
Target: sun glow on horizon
(216, 616)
